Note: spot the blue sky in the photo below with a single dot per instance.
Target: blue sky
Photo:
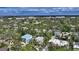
(38, 11)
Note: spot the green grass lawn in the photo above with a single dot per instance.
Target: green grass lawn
(57, 49)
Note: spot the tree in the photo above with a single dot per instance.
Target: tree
(71, 39)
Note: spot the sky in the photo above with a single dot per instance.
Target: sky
(39, 11)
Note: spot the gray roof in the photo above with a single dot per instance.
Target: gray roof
(3, 49)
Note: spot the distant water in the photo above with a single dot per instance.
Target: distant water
(39, 11)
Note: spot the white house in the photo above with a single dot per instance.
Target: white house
(58, 42)
(60, 17)
(39, 39)
(37, 22)
(10, 18)
(26, 22)
(17, 18)
(31, 17)
(76, 45)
